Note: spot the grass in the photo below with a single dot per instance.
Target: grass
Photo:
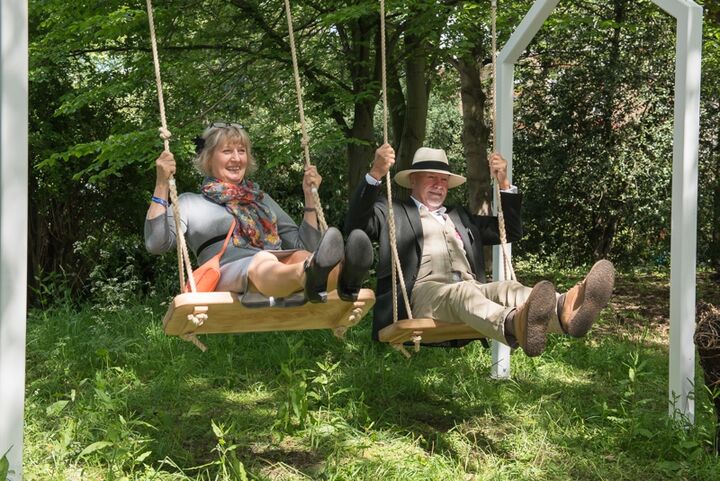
(110, 397)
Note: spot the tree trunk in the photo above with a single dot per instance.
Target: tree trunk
(396, 104)
(475, 135)
(416, 109)
(604, 228)
(411, 109)
(360, 136)
(715, 240)
(360, 149)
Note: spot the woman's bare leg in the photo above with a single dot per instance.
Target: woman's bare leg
(274, 278)
(280, 278)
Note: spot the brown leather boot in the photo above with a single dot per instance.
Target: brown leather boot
(579, 307)
(531, 319)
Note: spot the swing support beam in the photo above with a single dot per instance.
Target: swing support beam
(684, 184)
(13, 229)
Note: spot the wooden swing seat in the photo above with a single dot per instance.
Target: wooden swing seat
(429, 330)
(225, 314)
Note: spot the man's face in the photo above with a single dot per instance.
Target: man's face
(430, 188)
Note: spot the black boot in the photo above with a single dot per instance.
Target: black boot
(328, 254)
(358, 260)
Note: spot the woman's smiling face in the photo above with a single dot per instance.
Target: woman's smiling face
(229, 162)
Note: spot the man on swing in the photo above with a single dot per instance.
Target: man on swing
(441, 253)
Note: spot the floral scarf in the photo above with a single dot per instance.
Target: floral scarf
(256, 224)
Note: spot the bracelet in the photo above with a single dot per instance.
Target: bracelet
(310, 209)
(160, 201)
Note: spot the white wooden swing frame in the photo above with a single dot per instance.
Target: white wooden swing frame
(683, 248)
(14, 199)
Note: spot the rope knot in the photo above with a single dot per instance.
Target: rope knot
(416, 339)
(164, 133)
(198, 316)
(356, 315)
(197, 319)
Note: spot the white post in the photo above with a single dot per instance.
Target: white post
(517, 43)
(13, 227)
(500, 368)
(684, 206)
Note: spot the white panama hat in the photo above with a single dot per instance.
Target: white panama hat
(429, 160)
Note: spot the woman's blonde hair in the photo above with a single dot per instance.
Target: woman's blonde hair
(219, 134)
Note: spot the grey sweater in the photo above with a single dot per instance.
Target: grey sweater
(201, 220)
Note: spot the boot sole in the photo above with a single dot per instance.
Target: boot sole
(598, 288)
(358, 260)
(328, 254)
(541, 303)
(256, 300)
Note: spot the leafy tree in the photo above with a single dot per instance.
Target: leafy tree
(593, 137)
(226, 60)
(469, 52)
(709, 218)
(595, 162)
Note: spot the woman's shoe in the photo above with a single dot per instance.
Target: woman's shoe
(358, 260)
(328, 254)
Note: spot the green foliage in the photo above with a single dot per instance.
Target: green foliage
(709, 168)
(4, 466)
(121, 265)
(110, 397)
(94, 109)
(324, 390)
(229, 467)
(595, 162)
(293, 412)
(628, 416)
(52, 288)
(592, 146)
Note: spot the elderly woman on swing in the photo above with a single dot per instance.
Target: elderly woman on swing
(271, 259)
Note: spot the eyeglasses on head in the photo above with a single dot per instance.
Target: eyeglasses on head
(225, 125)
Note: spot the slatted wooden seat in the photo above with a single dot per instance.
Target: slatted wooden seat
(429, 330)
(222, 312)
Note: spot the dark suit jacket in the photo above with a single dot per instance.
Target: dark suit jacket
(369, 211)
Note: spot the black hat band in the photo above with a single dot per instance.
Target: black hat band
(431, 165)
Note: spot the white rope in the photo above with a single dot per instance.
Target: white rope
(190, 337)
(402, 350)
(183, 255)
(507, 263)
(396, 267)
(305, 140)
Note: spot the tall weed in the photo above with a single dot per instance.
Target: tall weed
(5, 466)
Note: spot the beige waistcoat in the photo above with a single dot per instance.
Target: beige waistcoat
(442, 253)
